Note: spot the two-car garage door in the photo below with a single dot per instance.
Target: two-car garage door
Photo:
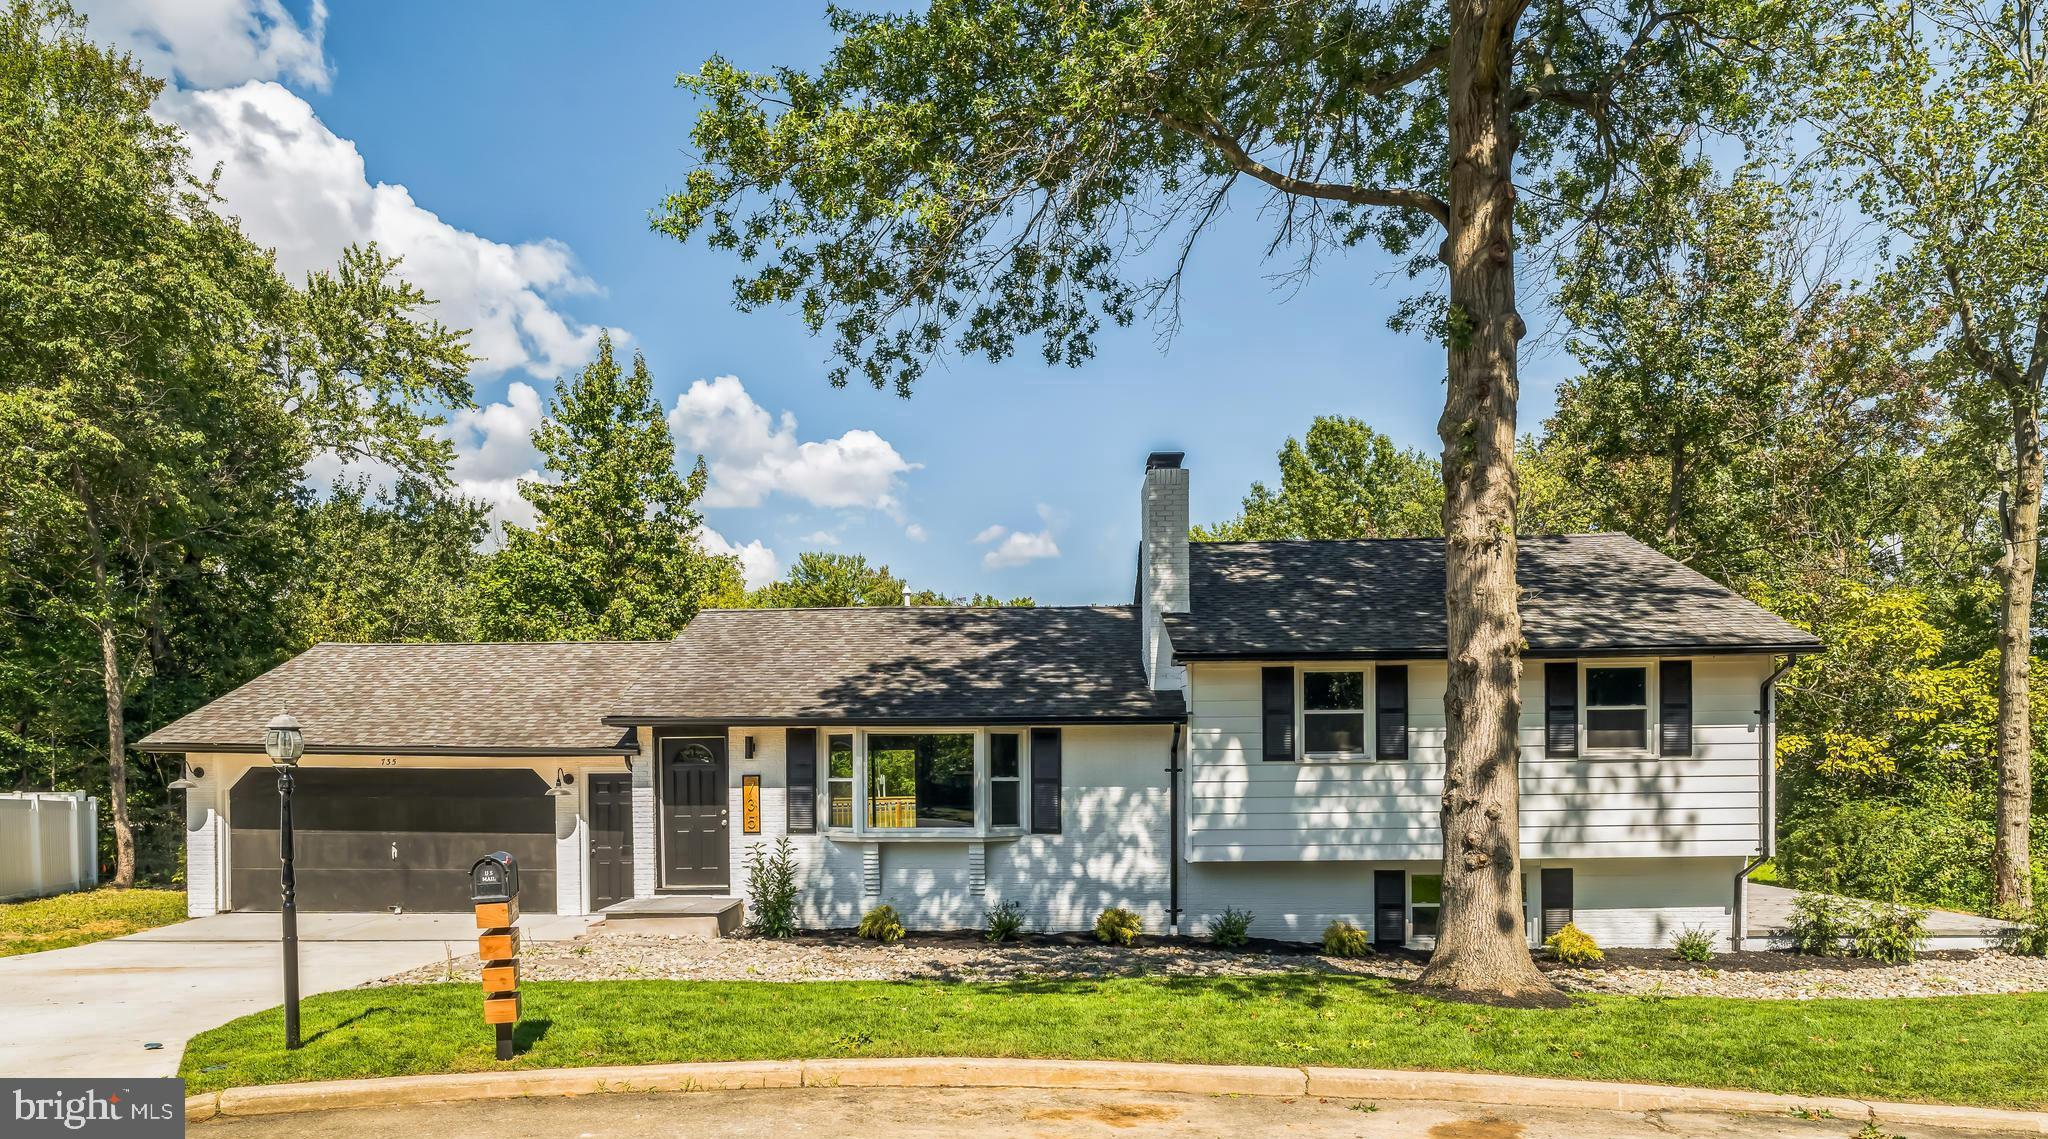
(373, 839)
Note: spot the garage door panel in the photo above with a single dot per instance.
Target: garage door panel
(374, 839)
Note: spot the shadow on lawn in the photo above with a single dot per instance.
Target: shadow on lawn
(363, 1015)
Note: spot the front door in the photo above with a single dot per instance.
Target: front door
(693, 809)
(611, 839)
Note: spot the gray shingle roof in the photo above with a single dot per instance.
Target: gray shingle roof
(951, 665)
(475, 698)
(1580, 593)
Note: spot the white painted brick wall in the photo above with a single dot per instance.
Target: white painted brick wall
(571, 841)
(645, 850)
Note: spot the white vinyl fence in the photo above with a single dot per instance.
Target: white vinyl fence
(48, 843)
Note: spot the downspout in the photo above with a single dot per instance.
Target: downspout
(1173, 834)
(1767, 795)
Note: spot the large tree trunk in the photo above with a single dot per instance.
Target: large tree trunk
(2011, 866)
(117, 723)
(1481, 945)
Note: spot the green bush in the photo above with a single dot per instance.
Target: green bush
(881, 924)
(771, 889)
(1118, 926)
(2028, 936)
(1932, 854)
(1342, 939)
(1827, 926)
(1231, 930)
(1889, 933)
(1005, 921)
(1573, 946)
(1694, 943)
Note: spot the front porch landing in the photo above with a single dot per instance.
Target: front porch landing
(677, 915)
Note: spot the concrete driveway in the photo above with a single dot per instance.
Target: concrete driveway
(92, 1010)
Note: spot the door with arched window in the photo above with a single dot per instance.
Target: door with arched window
(694, 813)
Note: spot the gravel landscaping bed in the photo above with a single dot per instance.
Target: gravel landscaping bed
(842, 957)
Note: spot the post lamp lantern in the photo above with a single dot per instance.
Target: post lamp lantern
(284, 743)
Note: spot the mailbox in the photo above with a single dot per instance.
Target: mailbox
(494, 878)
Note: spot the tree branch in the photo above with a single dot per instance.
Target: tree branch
(1234, 153)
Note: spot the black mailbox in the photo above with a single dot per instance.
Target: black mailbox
(494, 878)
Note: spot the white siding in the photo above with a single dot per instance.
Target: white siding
(1243, 809)
(1111, 850)
(1645, 902)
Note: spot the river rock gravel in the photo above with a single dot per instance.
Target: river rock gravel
(832, 957)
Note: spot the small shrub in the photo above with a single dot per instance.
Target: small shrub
(881, 924)
(1118, 926)
(1231, 930)
(1573, 946)
(1889, 933)
(1821, 925)
(2028, 936)
(1342, 939)
(1694, 943)
(771, 889)
(1005, 921)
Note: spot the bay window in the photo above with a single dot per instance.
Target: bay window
(839, 779)
(1005, 779)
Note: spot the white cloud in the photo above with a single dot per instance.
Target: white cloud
(915, 532)
(820, 538)
(494, 451)
(303, 190)
(215, 43)
(753, 454)
(758, 563)
(1015, 547)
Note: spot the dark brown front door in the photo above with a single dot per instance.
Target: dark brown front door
(611, 839)
(693, 810)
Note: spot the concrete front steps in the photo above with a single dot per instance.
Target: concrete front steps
(675, 915)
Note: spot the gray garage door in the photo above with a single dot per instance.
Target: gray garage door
(368, 839)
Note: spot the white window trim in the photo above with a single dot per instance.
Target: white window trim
(1370, 731)
(1650, 698)
(982, 829)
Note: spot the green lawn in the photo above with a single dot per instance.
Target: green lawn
(93, 915)
(1981, 1050)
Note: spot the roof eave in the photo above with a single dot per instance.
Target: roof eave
(1437, 652)
(648, 721)
(189, 747)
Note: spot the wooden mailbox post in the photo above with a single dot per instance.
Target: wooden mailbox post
(494, 888)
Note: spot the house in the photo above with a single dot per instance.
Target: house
(1262, 728)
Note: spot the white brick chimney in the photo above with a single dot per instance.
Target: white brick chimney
(1163, 563)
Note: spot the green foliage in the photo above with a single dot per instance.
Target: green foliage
(1005, 921)
(2028, 935)
(1694, 943)
(393, 566)
(1232, 929)
(1937, 853)
(772, 889)
(824, 580)
(616, 553)
(1827, 926)
(1344, 480)
(881, 924)
(1573, 946)
(1118, 926)
(1342, 939)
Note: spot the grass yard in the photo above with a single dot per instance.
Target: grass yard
(1978, 1050)
(91, 915)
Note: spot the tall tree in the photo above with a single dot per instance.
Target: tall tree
(1939, 110)
(393, 565)
(161, 386)
(617, 552)
(994, 169)
(1341, 480)
(822, 580)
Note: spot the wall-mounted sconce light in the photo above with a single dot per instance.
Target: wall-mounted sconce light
(563, 781)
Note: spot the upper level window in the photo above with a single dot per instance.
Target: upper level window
(1333, 714)
(921, 779)
(1617, 708)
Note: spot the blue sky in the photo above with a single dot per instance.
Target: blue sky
(512, 151)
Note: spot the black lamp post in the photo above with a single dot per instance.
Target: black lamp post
(284, 744)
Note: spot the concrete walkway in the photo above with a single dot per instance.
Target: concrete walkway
(1770, 914)
(92, 1010)
(918, 1113)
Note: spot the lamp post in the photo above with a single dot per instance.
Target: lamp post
(284, 744)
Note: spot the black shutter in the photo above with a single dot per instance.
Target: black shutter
(1561, 709)
(1276, 712)
(1674, 707)
(1045, 781)
(803, 781)
(1390, 704)
(1557, 900)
